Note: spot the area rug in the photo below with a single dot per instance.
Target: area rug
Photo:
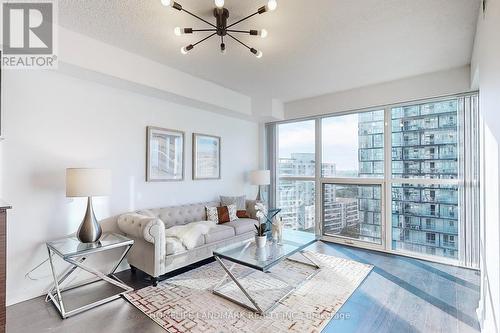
(186, 303)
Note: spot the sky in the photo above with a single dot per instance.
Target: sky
(340, 140)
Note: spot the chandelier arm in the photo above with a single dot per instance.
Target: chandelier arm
(239, 31)
(239, 41)
(201, 30)
(199, 18)
(243, 19)
(204, 39)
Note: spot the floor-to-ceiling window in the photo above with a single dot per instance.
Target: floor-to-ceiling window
(295, 169)
(352, 151)
(394, 178)
(425, 177)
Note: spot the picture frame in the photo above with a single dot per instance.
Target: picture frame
(164, 154)
(206, 156)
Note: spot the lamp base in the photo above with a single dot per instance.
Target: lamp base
(90, 230)
(259, 195)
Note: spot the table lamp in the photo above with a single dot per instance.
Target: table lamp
(88, 183)
(260, 178)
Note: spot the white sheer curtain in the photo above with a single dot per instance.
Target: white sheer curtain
(469, 233)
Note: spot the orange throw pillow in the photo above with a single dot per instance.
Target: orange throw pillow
(242, 214)
(223, 213)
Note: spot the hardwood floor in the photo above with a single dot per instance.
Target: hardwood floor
(400, 295)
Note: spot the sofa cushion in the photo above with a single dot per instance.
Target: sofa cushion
(218, 233)
(242, 226)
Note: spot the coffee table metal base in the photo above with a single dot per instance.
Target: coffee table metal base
(256, 307)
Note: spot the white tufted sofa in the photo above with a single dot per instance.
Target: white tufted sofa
(152, 254)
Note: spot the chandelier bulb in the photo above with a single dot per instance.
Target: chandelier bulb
(271, 5)
(219, 4)
(178, 31)
(257, 53)
(167, 3)
(263, 33)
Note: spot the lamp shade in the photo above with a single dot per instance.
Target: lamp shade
(88, 182)
(260, 177)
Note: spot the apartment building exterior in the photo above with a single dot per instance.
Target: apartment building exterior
(424, 146)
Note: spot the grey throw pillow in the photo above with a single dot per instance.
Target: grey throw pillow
(239, 201)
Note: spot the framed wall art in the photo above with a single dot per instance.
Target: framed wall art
(206, 156)
(165, 154)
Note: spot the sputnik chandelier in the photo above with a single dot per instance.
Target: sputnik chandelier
(221, 28)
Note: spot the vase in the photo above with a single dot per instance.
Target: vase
(260, 241)
(277, 230)
(261, 254)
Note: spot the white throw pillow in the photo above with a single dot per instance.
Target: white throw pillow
(212, 214)
(232, 212)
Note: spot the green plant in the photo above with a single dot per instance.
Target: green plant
(261, 229)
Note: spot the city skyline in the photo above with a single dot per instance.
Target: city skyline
(424, 145)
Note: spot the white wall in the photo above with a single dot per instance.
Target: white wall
(53, 121)
(436, 84)
(93, 55)
(485, 70)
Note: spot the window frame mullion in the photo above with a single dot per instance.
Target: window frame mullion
(318, 188)
(387, 186)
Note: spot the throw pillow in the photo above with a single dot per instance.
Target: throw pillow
(232, 212)
(239, 201)
(212, 214)
(222, 214)
(242, 214)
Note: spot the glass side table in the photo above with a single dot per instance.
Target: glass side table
(75, 253)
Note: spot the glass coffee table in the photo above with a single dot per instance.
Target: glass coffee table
(263, 260)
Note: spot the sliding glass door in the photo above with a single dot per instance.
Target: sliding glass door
(394, 178)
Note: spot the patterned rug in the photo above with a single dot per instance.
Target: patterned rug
(186, 303)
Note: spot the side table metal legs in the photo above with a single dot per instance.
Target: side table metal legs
(55, 293)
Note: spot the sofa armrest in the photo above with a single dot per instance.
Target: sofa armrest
(151, 229)
(250, 206)
(141, 226)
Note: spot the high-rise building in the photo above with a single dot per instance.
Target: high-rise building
(371, 164)
(297, 198)
(340, 215)
(424, 216)
(424, 145)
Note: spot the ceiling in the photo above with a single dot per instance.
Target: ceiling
(313, 47)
